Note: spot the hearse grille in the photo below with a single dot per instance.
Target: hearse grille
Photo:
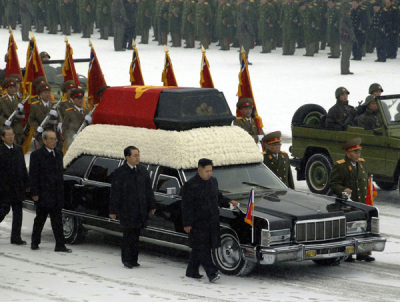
(321, 229)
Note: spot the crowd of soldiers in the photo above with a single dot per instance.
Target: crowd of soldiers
(64, 117)
(309, 24)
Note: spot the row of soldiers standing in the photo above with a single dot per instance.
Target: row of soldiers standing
(64, 117)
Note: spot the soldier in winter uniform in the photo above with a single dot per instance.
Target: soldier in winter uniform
(27, 15)
(360, 26)
(119, 19)
(341, 114)
(333, 36)
(266, 25)
(371, 118)
(246, 122)
(289, 20)
(379, 32)
(277, 160)
(188, 22)
(204, 19)
(175, 21)
(350, 176)
(347, 37)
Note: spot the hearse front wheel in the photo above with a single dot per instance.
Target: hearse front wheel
(228, 257)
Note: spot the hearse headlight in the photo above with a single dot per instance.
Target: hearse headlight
(275, 237)
(375, 225)
(356, 227)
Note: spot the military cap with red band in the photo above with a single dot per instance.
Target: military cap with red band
(77, 93)
(352, 144)
(9, 82)
(43, 87)
(246, 102)
(272, 138)
(67, 85)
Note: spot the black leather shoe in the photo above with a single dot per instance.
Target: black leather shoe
(214, 278)
(34, 247)
(195, 276)
(366, 258)
(127, 264)
(135, 264)
(350, 259)
(18, 242)
(333, 57)
(63, 249)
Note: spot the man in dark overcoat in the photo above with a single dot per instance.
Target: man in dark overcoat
(47, 190)
(200, 215)
(14, 180)
(131, 199)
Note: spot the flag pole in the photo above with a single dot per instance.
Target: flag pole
(371, 189)
(252, 216)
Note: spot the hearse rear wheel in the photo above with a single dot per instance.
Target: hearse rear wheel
(318, 168)
(387, 186)
(228, 257)
(73, 229)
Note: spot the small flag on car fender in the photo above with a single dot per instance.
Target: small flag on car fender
(371, 193)
(249, 215)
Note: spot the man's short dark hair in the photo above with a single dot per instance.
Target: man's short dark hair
(3, 130)
(128, 150)
(45, 134)
(203, 162)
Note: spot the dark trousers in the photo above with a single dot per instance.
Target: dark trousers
(129, 34)
(130, 245)
(17, 218)
(56, 225)
(357, 46)
(201, 256)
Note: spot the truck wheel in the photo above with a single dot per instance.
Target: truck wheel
(387, 186)
(228, 257)
(73, 230)
(330, 262)
(308, 115)
(318, 168)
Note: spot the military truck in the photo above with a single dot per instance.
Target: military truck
(315, 149)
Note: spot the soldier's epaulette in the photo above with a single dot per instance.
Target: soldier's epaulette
(66, 100)
(228, 4)
(205, 3)
(69, 109)
(53, 102)
(264, 152)
(239, 118)
(284, 152)
(36, 102)
(361, 159)
(363, 7)
(394, 7)
(385, 9)
(341, 161)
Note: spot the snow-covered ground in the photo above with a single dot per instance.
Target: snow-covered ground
(281, 84)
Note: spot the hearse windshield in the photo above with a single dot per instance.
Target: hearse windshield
(241, 178)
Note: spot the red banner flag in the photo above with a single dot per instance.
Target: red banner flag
(371, 193)
(34, 69)
(135, 70)
(245, 90)
(250, 206)
(168, 76)
(12, 65)
(68, 69)
(205, 75)
(95, 78)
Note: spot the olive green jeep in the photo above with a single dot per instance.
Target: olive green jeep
(314, 148)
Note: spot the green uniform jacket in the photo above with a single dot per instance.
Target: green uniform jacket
(333, 16)
(371, 119)
(175, 16)
(203, 19)
(73, 120)
(144, 14)
(267, 22)
(65, 104)
(224, 21)
(38, 113)
(309, 21)
(251, 128)
(289, 20)
(188, 17)
(6, 109)
(280, 166)
(344, 175)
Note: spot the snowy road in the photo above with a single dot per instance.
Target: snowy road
(93, 272)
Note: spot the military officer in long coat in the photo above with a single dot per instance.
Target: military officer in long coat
(347, 36)
(289, 20)
(333, 35)
(8, 104)
(266, 25)
(277, 160)
(74, 116)
(349, 175)
(246, 122)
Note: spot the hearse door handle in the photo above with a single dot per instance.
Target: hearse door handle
(78, 186)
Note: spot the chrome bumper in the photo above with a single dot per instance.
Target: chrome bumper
(315, 251)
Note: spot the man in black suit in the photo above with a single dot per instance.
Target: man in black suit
(131, 199)
(47, 190)
(14, 179)
(200, 215)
